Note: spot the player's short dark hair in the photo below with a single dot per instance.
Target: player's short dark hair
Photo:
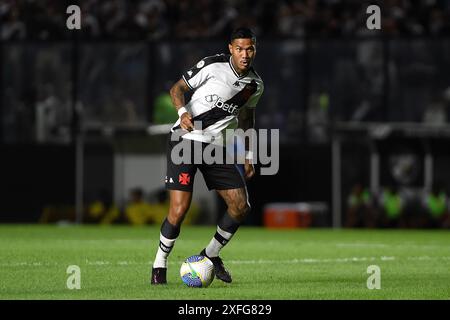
(242, 33)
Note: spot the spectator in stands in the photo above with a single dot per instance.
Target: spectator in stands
(163, 110)
(138, 211)
(102, 210)
(173, 19)
(392, 208)
(436, 206)
(161, 206)
(437, 111)
(360, 211)
(13, 26)
(317, 117)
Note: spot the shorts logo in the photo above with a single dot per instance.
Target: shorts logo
(168, 180)
(184, 179)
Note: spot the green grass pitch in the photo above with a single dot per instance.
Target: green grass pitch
(297, 264)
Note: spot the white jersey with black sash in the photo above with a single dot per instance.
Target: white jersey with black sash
(219, 95)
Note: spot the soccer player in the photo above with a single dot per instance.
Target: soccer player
(226, 90)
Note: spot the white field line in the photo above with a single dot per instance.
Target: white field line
(353, 244)
(405, 245)
(236, 262)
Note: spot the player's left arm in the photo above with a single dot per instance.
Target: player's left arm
(246, 118)
(246, 121)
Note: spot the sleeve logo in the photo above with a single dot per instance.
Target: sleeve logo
(200, 64)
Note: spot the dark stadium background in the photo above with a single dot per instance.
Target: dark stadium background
(77, 106)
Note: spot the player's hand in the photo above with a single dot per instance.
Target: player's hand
(186, 121)
(249, 169)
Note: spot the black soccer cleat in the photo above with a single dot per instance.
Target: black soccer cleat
(159, 276)
(219, 268)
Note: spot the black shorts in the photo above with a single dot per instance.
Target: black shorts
(217, 176)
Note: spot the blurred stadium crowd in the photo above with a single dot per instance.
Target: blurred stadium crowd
(209, 19)
(321, 63)
(398, 207)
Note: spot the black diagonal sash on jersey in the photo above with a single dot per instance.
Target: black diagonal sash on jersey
(210, 117)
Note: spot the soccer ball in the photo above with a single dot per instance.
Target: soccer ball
(197, 271)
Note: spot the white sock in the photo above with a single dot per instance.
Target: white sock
(219, 241)
(164, 248)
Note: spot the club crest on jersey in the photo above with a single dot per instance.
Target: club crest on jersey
(200, 64)
(236, 84)
(211, 98)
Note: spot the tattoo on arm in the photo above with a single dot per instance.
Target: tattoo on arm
(177, 93)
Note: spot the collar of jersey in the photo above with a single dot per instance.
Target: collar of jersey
(235, 72)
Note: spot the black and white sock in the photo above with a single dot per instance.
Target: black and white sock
(226, 228)
(167, 237)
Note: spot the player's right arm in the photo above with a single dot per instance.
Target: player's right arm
(177, 94)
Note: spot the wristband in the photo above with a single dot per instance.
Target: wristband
(249, 155)
(181, 111)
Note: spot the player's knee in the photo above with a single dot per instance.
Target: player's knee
(240, 210)
(245, 208)
(177, 213)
